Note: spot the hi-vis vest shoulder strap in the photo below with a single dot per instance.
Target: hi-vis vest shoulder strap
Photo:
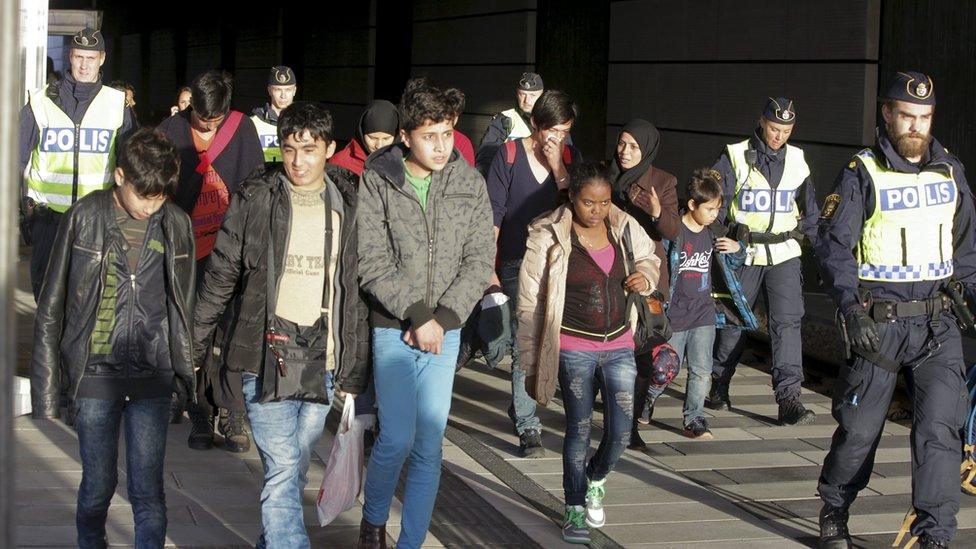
(758, 206)
(72, 160)
(909, 236)
(519, 128)
(268, 137)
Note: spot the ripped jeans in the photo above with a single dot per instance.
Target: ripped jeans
(577, 377)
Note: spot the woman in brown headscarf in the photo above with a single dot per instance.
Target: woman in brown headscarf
(650, 195)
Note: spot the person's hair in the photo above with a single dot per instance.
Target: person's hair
(422, 102)
(210, 94)
(456, 98)
(305, 116)
(122, 86)
(587, 173)
(149, 163)
(553, 107)
(705, 185)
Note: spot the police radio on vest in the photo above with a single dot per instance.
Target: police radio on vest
(904, 198)
(90, 140)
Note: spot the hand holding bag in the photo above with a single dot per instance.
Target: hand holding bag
(653, 328)
(344, 472)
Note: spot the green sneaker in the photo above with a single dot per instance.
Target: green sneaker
(595, 491)
(574, 527)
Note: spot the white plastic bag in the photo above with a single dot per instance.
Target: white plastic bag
(344, 473)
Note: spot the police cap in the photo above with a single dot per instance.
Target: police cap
(912, 87)
(530, 82)
(281, 76)
(88, 39)
(779, 110)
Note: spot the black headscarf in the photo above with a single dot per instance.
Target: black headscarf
(648, 139)
(380, 116)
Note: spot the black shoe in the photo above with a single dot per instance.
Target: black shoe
(698, 429)
(371, 536)
(718, 396)
(176, 409)
(234, 429)
(201, 430)
(636, 442)
(530, 442)
(926, 542)
(833, 528)
(792, 412)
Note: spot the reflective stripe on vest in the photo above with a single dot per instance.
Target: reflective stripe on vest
(52, 177)
(909, 236)
(519, 128)
(268, 137)
(762, 209)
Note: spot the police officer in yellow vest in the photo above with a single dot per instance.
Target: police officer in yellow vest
(770, 204)
(282, 87)
(513, 123)
(69, 131)
(894, 234)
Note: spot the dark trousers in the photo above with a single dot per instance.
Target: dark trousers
(783, 287)
(218, 387)
(45, 229)
(144, 422)
(940, 401)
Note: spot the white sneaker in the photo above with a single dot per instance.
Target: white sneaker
(595, 491)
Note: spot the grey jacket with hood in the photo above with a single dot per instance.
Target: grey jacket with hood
(419, 263)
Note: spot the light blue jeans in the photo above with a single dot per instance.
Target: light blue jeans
(413, 392)
(522, 410)
(284, 433)
(695, 344)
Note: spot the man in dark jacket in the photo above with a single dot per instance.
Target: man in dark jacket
(218, 149)
(65, 163)
(287, 252)
(114, 312)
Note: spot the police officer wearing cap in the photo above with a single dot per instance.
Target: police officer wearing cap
(895, 236)
(282, 87)
(69, 131)
(512, 124)
(770, 204)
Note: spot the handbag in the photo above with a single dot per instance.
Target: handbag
(653, 327)
(294, 361)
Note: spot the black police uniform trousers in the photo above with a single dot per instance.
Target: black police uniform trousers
(933, 357)
(44, 229)
(783, 286)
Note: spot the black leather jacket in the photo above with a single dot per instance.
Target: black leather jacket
(66, 309)
(237, 269)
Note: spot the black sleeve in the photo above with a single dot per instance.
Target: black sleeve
(839, 231)
(494, 138)
(724, 167)
(28, 138)
(809, 209)
(963, 230)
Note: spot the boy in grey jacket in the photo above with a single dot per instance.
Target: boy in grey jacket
(425, 255)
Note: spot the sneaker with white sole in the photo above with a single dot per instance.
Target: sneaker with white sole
(595, 491)
(575, 529)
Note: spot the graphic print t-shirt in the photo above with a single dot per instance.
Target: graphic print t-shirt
(211, 205)
(691, 302)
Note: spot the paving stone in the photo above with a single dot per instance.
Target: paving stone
(714, 461)
(886, 441)
(717, 530)
(702, 447)
(883, 455)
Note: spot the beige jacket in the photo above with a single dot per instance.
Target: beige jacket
(542, 291)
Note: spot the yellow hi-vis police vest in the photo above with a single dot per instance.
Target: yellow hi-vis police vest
(72, 160)
(519, 128)
(909, 236)
(268, 137)
(756, 205)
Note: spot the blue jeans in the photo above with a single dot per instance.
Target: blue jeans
(695, 345)
(577, 375)
(413, 391)
(144, 422)
(284, 433)
(522, 409)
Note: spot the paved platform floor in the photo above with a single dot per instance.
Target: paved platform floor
(753, 486)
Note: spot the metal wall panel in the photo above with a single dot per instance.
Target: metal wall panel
(501, 38)
(441, 9)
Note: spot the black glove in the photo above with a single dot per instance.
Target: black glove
(862, 331)
(26, 210)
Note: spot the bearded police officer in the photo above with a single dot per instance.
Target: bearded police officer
(770, 204)
(906, 211)
(512, 124)
(69, 131)
(282, 87)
